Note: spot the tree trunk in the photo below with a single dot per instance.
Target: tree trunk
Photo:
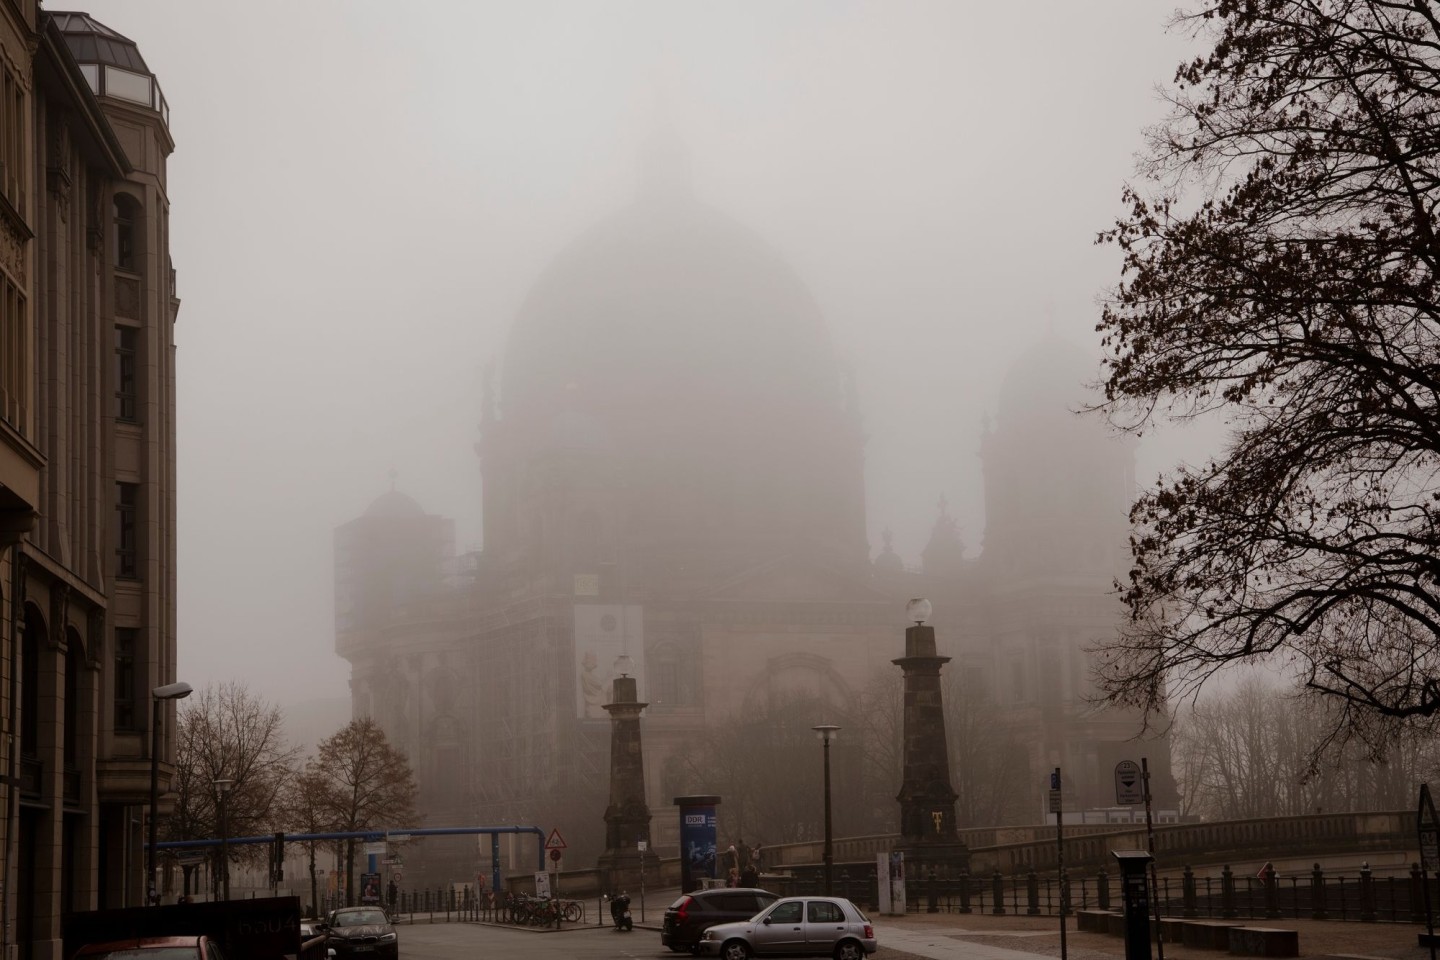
(350, 872)
(314, 885)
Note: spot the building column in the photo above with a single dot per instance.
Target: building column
(627, 818)
(927, 799)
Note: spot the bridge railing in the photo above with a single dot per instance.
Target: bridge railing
(1358, 896)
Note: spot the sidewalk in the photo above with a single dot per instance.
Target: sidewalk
(951, 936)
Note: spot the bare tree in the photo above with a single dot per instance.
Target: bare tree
(228, 733)
(989, 766)
(1279, 268)
(309, 807)
(367, 782)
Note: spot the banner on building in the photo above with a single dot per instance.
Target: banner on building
(603, 633)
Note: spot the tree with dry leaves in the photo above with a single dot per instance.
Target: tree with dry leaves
(365, 783)
(1280, 257)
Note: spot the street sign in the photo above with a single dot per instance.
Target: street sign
(642, 845)
(374, 849)
(393, 862)
(1429, 828)
(555, 854)
(555, 841)
(1129, 785)
(1055, 791)
(397, 837)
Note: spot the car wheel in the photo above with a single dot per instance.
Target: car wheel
(849, 950)
(735, 950)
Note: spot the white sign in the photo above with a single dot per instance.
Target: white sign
(603, 633)
(1129, 784)
(374, 849)
(542, 885)
(890, 868)
(643, 845)
(397, 837)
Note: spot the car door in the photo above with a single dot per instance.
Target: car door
(782, 929)
(824, 925)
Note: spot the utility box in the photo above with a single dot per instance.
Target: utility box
(1135, 892)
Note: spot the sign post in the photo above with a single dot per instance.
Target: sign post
(1057, 808)
(1429, 829)
(555, 844)
(1154, 878)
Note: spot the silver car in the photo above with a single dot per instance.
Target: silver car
(795, 927)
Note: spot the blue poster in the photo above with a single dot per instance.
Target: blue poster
(697, 845)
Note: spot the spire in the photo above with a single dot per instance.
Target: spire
(889, 561)
(944, 555)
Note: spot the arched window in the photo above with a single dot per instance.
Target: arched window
(127, 234)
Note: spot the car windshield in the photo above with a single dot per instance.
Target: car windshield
(359, 918)
(154, 953)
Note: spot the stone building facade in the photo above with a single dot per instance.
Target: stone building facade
(673, 472)
(87, 465)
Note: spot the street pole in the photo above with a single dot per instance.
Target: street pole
(1060, 856)
(826, 732)
(1154, 878)
(169, 691)
(222, 788)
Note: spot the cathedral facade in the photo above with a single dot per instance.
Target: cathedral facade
(673, 488)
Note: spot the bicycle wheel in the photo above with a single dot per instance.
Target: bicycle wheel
(573, 912)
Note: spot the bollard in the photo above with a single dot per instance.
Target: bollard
(1187, 894)
(1227, 893)
(1272, 892)
(997, 884)
(964, 891)
(1032, 893)
(1102, 890)
(1317, 894)
(932, 887)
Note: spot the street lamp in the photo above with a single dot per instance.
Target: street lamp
(826, 732)
(170, 691)
(222, 787)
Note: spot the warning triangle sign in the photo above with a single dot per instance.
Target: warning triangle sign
(555, 841)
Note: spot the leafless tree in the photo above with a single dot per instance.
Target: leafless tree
(1279, 270)
(309, 807)
(226, 732)
(366, 782)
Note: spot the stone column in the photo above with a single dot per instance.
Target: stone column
(927, 800)
(627, 817)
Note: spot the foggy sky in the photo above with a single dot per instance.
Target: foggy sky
(363, 191)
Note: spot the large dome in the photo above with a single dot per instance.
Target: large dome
(700, 368)
(668, 302)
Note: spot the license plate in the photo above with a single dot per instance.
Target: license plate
(364, 947)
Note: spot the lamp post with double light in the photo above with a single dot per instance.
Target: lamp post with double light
(826, 732)
(222, 789)
(158, 696)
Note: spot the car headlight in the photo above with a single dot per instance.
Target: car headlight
(388, 938)
(709, 935)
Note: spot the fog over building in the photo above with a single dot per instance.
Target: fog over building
(672, 466)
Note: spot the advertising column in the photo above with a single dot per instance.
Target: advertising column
(697, 840)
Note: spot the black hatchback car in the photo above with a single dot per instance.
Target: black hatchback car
(687, 918)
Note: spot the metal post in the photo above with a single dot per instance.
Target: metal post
(1154, 883)
(152, 896)
(829, 842)
(1060, 856)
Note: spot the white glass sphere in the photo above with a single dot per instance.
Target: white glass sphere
(917, 610)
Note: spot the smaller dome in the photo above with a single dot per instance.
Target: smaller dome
(90, 41)
(394, 504)
(1050, 379)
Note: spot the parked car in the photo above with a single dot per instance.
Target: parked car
(795, 927)
(360, 932)
(687, 918)
(152, 948)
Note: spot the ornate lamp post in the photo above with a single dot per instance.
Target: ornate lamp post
(222, 788)
(826, 732)
(170, 691)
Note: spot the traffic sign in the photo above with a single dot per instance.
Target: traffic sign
(1054, 801)
(1129, 785)
(555, 841)
(555, 854)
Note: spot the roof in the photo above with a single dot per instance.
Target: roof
(393, 503)
(90, 41)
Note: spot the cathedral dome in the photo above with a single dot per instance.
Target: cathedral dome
(392, 504)
(668, 302)
(700, 369)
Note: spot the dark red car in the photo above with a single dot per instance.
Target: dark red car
(152, 948)
(687, 918)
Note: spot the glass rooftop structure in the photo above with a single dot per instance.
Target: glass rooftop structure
(111, 62)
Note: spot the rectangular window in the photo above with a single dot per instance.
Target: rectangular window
(126, 640)
(127, 394)
(127, 515)
(14, 350)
